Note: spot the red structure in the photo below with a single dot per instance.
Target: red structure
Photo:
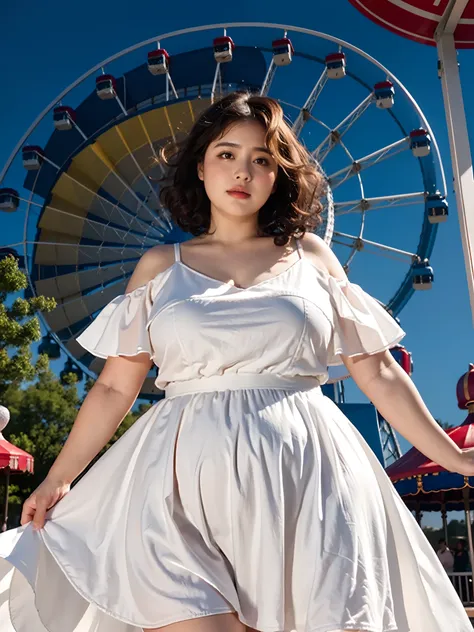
(13, 460)
(413, 464)
(417, 19)
(426, 486)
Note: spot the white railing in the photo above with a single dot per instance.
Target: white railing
(463, 584)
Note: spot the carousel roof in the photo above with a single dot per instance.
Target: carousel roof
(414, 463)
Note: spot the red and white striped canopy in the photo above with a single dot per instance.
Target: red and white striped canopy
(14, 458)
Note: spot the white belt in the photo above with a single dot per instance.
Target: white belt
(234, 381)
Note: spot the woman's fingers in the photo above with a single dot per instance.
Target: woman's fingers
(40, 513)
(41, 500)
(28, 511)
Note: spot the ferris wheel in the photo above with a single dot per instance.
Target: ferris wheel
(88, 206)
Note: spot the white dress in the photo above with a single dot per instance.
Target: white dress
(243, 490)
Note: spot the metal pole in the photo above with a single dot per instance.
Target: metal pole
(445, 521)
(5, 510)
(418, 514)
(460, 151)
(467, 511)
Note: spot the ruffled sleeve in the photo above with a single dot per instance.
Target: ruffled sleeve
(361, 324)
(121, 328)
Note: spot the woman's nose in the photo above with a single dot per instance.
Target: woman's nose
(242, 173)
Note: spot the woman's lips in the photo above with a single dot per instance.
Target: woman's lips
(240, 195)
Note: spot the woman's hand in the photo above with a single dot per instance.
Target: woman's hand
(48, 494)
(465, 463)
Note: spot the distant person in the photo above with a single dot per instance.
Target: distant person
(462, 565)
(461, 558)
(445, 556)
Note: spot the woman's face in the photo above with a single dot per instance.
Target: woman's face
(239, 160)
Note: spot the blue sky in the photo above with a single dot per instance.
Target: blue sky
(46, 46)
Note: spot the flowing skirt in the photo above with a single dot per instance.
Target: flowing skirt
(265, 502)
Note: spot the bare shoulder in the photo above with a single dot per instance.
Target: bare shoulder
(322, 256)
(151, 263)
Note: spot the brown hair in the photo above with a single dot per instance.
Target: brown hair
(291, 210)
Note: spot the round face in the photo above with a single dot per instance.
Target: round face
(238, 171)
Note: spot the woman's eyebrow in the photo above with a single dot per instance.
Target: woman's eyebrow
(227, 144)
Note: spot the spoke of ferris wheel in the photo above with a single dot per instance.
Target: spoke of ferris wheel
(267, 82)
(165, 215)
(135, 161)
(313, 118)
(360, 242)
(107, 205)
(101, 154)
(307, 108)
(99, 227)
(217, 77)
(357, 247)
(133, 251)
(164, 211)
(338, 132)
(389, 151)
(76, 126)
(378, 203)
(169, 82)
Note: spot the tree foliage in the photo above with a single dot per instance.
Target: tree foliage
(19, 328)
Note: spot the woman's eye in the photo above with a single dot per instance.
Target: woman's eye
(227, 154)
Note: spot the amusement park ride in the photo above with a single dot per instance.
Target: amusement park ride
(83, 175)
(448, 25)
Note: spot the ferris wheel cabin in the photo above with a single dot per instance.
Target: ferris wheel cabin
(420, 143)
(64, 117)
(384, 95)
(223, 49)
(422, 275)
(105, 87)
(283, 51)
(32, 157)
(335, 65)
(158, 62)
(9, 200)
(403, 357)
(436, 208)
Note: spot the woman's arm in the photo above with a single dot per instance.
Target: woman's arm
(101, 413)
(391, 390)
(396, 397)
(114, 392)
(103, 410)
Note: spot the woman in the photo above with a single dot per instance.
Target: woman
(244, 500)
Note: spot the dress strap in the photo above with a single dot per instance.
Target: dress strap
(177, 252)
(299, 248)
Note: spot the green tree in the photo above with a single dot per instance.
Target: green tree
(19, 328)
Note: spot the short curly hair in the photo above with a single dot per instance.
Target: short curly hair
(291, 210)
